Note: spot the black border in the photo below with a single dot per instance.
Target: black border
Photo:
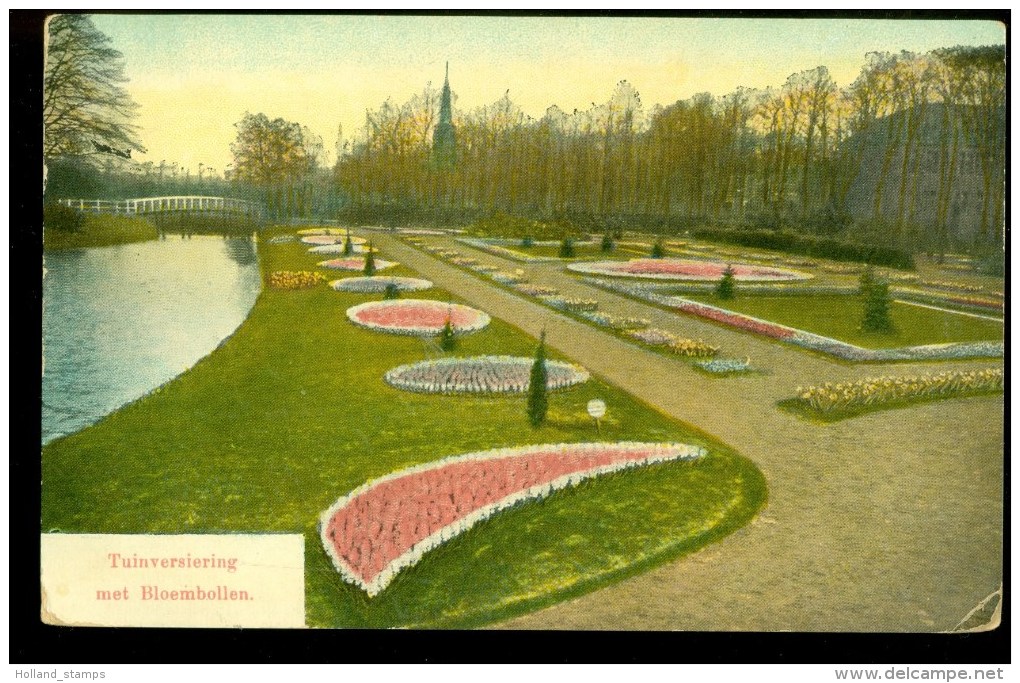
(32, 642)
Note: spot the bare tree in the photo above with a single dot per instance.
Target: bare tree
(86, 111)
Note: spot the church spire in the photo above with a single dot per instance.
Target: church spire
(444, 140)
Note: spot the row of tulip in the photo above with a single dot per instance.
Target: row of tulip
(614, 322)
(503, 277)
(481, 375)
(379, 283)
(952, 286)
(945, 299)
(536, 290)
(804, 339)
(724, 366)
(289, 279)
(503, 252)
(417, 317)
(389, 524)
(689, 348)
(848, 397)
(281, 239)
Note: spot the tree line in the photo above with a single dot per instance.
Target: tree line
(798, 155)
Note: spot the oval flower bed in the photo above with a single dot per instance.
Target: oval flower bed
(331, 239)
(379, 283)
(389, 524)
(417, 317)
(338, 248)
(354, 264)
(481, 375)
(685, 269)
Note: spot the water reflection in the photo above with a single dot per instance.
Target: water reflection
(120, 321)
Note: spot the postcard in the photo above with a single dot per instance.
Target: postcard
(506, 322)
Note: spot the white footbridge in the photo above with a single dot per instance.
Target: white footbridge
(157, 205)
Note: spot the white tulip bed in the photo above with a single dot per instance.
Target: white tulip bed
(481, 375)
(379, 283)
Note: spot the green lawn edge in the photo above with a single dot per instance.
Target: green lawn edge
(101, 230)
(80, 462)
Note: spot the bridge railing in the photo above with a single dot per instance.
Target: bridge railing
(149, 205)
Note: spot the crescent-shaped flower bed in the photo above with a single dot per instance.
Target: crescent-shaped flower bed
(481, 375)
(354, 264)
(685, 269)
(379, 283)
(417, 317)
(331, 239)
(389, 524)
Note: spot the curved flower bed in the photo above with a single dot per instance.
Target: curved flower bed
(331, 239)
(417, 317)
(281, 239)
(355, 264)
(724, 366)
(379, 283)
(481, 375)
(389, 524)
(685, 269)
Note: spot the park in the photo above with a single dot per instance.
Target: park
(549, 373)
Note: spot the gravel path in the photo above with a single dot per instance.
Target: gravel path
(887, 522)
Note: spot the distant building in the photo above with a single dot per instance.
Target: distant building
(444, 139)
(927, 187)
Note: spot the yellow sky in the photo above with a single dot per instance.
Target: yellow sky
(195, 76)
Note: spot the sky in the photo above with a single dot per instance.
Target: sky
(194, 76)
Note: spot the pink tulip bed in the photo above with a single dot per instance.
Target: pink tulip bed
(685, 269)
(331, 239)
(379, 283)
(389, 524)
(417, 317)
(481, 375)
(355, 264)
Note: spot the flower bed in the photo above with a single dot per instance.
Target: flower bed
(614, 322)
(536, 290)
(724, 366)
(322, 231)
(331, 239)
(685, 269)
(417, 317)
(807, 340)
(389, 524)
(481, 375)
(946, 299)
(379, 283)
(289, 279)
(339, 247)
(689, 348)
(503, 252)
(851, 397)
(281, 239)
(505, 278)
(355, 264)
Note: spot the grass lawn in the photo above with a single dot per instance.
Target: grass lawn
(839, 317)
(291, 412)
(101, 230)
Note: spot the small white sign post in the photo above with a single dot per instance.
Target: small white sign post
(597, 409)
